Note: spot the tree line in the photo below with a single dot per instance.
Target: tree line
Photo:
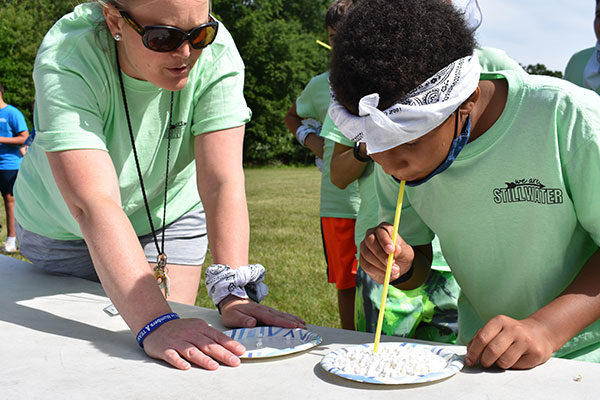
(276, 38)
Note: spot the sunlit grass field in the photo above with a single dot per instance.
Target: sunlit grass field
(285, 237)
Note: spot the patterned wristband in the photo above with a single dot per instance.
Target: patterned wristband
(155, 323)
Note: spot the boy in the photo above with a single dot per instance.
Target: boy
(428, 312)
(503, 167)
(338, 207)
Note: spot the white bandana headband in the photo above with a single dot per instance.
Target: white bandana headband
(418, 113)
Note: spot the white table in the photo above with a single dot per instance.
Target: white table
(57, 343)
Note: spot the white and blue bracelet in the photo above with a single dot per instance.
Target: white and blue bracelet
(155, 323)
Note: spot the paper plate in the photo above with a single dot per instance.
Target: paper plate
(272, 341)
(453, 364)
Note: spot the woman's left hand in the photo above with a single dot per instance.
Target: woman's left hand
(244, 313)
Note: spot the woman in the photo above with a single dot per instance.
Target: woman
(126, 117)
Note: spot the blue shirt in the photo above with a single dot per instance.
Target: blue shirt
(12, 122)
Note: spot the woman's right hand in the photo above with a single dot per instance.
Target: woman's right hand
(187, 341)
(376, 247)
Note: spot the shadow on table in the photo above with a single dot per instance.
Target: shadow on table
(17, 288)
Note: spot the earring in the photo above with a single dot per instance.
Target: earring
(117, 36)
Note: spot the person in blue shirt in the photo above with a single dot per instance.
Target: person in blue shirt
(13, 133)
(23, 149)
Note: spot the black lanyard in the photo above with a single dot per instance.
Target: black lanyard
(161, 260)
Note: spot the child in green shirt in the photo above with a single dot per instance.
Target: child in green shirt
(338, 207)
(583, 68)
(501, 166)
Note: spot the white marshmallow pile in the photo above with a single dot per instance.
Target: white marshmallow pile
(389, 361)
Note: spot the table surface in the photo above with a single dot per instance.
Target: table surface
(56, 342)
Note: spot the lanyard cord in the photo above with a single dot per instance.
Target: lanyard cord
(161, 249)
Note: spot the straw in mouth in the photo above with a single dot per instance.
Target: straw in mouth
(388, 270)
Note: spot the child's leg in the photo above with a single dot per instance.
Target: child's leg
(340, 254)
(346, 307)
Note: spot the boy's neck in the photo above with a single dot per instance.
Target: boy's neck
(2, 103)
(489, 106)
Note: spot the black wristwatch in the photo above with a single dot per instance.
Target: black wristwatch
(357, 154)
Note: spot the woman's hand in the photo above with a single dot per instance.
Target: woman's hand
(237, 312)
(510, 343)
(376, 247)
(183, 342)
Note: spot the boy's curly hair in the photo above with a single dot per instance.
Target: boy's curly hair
(392, 46)
(336, 11)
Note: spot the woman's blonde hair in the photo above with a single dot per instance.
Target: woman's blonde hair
(120, 4)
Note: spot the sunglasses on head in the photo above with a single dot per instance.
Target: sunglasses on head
(168, 38)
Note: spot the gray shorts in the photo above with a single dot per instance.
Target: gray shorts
(185, 244)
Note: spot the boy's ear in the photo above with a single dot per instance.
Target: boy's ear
(469, 104)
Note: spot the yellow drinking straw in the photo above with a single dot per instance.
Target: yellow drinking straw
(388, 270)
(328, 47)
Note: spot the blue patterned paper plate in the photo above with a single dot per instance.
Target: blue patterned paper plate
(272, 341)
(454, 363)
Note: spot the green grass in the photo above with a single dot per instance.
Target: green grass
(285, 237)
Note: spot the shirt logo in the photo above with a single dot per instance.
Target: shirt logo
(527, 190)
(176, 131)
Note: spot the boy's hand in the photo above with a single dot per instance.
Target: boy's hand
(376, 247)
(244, 313)
(510, 343)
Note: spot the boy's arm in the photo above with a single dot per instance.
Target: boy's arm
(314, 142)
(523, 344)
(345, 167)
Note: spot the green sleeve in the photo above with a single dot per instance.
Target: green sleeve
(579, 125)
(219, 96)
(330, 131)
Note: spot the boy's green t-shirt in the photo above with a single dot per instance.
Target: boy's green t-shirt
(79, 105)
(313, 102)
(576, 66)
(517, 213)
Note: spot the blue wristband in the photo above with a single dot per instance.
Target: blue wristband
(155, 323)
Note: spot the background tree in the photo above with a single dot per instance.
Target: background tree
(540, 69)
(277, 40)
(23, 24)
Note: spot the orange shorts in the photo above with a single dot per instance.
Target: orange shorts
(340, 251)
